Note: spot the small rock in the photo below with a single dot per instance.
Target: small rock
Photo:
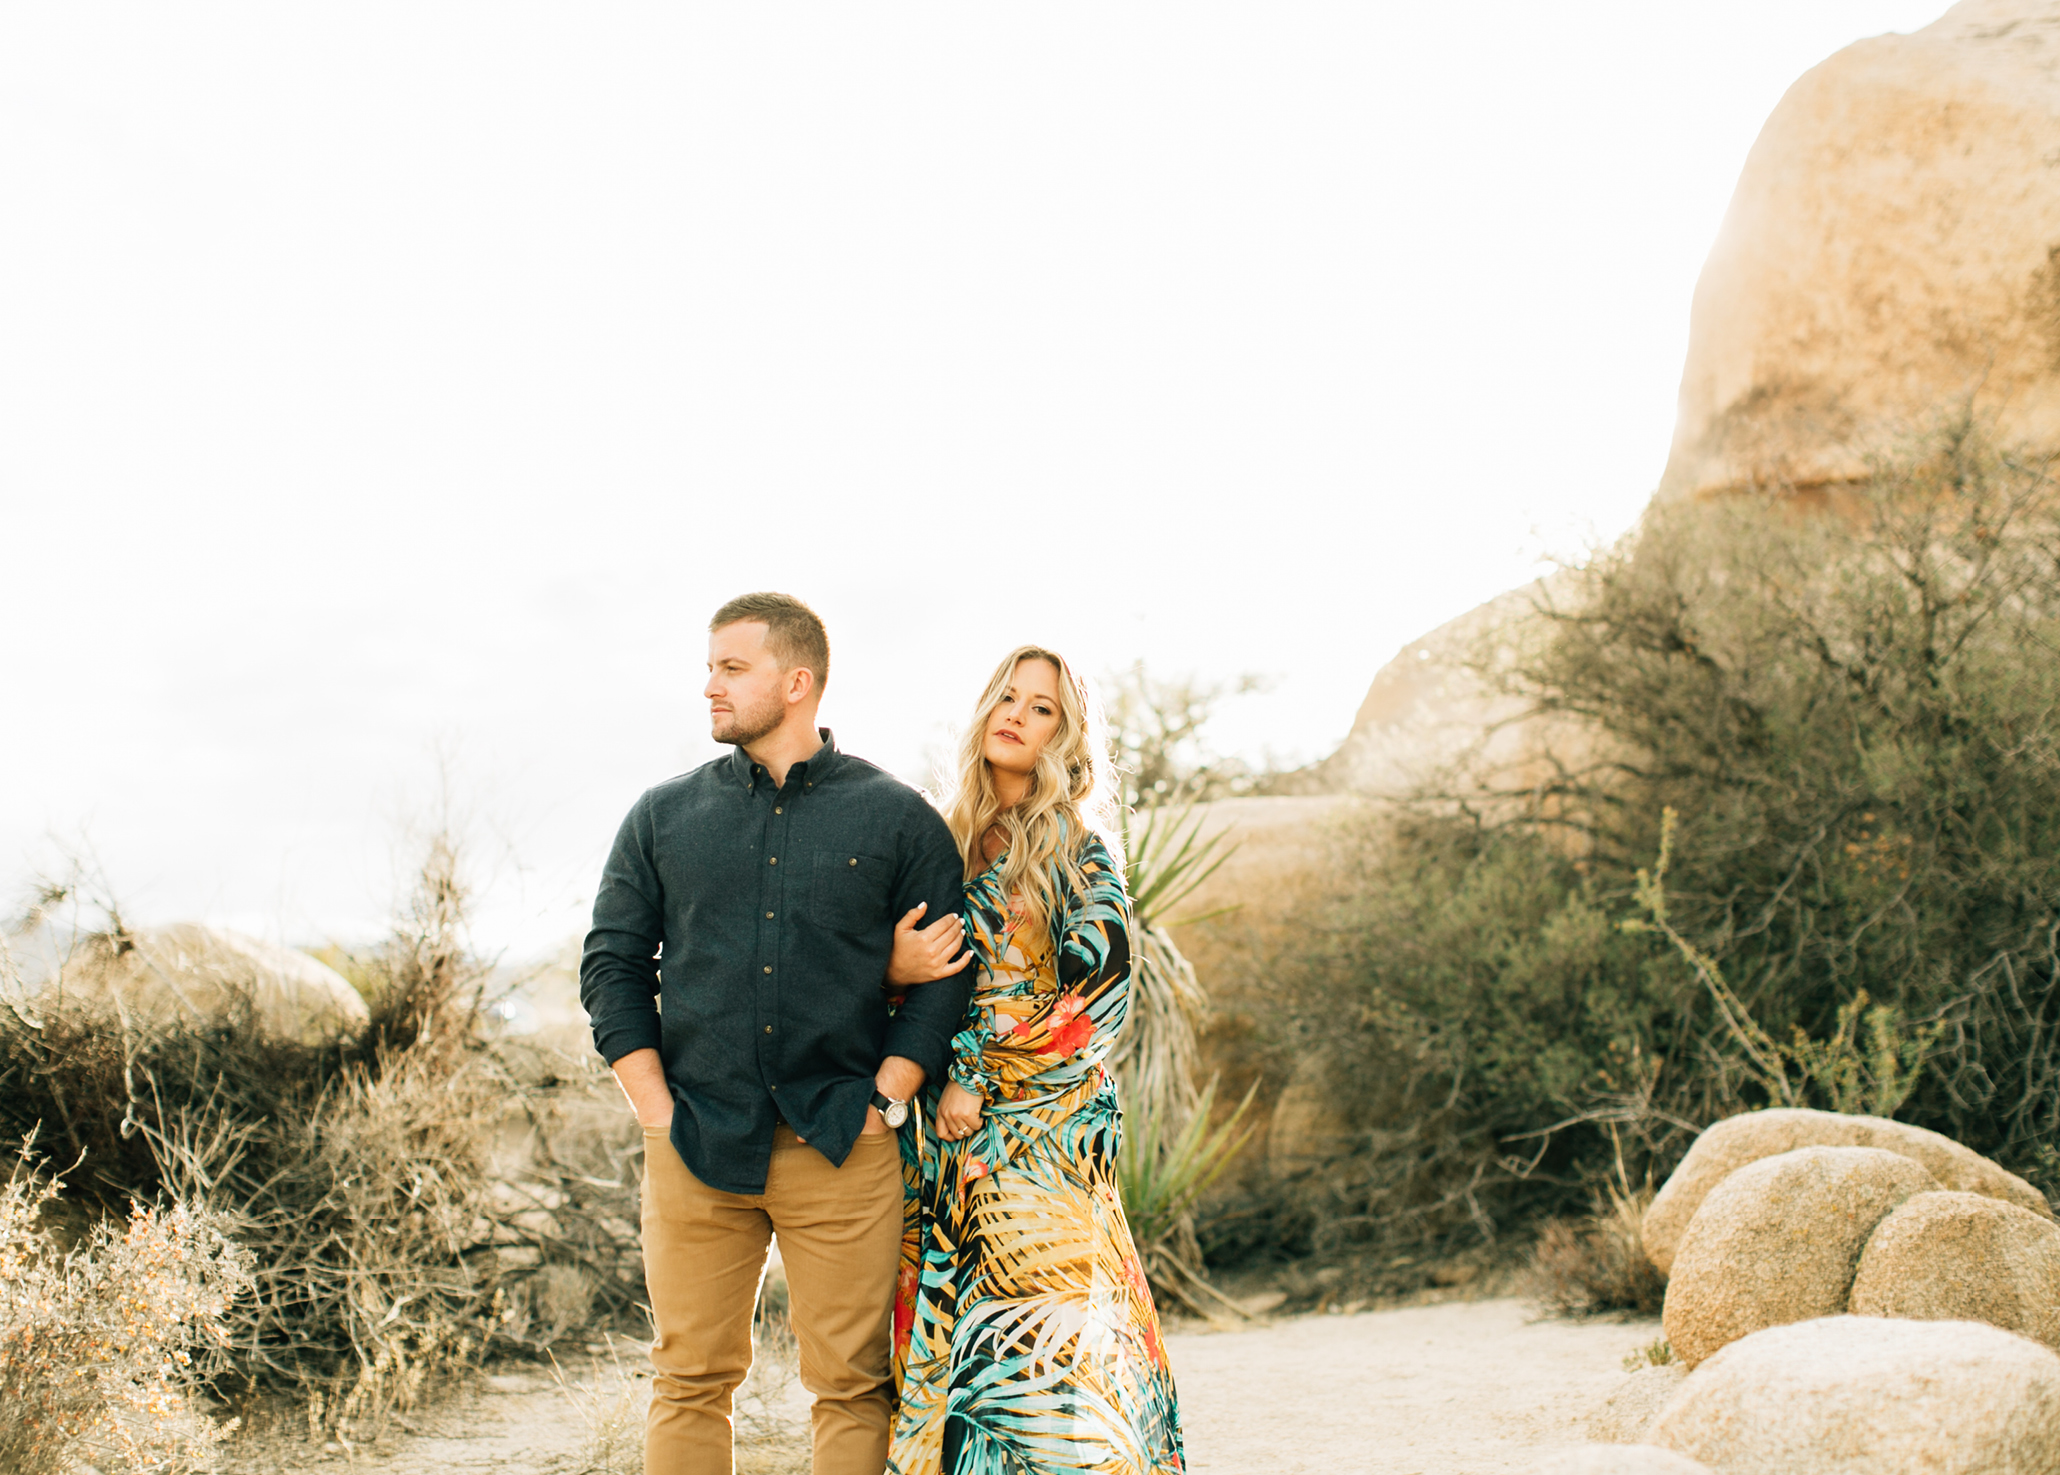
(1624, 1415)
(1962, 1257)
(1732, 1143)
(1778, 1241)
(1622, 1459)
(1858, 1395)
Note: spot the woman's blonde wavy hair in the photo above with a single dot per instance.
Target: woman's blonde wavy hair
(1072, 791)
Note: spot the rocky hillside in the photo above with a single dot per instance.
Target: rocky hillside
(1891, 254)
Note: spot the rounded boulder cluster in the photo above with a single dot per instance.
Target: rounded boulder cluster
(1846, 1293)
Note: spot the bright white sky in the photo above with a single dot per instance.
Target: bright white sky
(384, 380)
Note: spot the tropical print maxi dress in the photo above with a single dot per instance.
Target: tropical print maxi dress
(1025, 1339)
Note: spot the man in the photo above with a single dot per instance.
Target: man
(733, 975)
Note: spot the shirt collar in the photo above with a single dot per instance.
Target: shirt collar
(809, 770)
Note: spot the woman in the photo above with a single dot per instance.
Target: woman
(1025, 1337)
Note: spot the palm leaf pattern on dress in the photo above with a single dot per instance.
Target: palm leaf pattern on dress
(1026, 1342)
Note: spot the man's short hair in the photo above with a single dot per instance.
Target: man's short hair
(793, 632)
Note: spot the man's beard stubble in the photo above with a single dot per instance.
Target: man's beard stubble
(746, 725)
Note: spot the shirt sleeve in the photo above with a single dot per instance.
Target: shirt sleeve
(618, 968)
(1093, 967)
(932, 871)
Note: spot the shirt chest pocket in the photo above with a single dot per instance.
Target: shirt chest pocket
(848, 893)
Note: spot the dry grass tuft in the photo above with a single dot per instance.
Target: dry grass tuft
(610, 1406)
(104, 1348)
(1598, 1266)
(1657, 1353)
(771, 1433)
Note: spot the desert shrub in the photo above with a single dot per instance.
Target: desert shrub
(105, 1347)
(389, 1242)
(1850, 708)
(568, 1194)
(1477, 993)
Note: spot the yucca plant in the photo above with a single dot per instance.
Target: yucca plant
(1157, 1058)
(1162, 1178)
(1170, 1153)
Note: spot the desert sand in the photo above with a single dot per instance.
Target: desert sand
(1463, 1388)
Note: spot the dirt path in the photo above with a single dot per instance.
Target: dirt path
(1458, 1389)
(1467, 1388)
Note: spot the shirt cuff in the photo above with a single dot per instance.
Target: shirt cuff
(618, 1037)
(912, 1040)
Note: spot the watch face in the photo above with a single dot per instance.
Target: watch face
(896, 1113)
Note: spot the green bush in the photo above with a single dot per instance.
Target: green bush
(1850, 705)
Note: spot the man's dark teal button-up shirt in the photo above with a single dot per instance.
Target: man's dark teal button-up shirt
(743, 933)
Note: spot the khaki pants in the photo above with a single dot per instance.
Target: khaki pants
(704, 1252)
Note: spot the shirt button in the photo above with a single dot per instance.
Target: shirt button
(768, 1029)
(772, 860)
(778, 810)
(768, 967)
(768, 916)
(854, 860)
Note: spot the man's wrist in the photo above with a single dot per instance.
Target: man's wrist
(898, 1078)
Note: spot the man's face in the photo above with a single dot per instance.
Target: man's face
(746, 688)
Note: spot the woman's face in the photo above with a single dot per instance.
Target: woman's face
(1024, 720)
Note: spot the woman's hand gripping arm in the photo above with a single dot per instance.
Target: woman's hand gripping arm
(927, 954)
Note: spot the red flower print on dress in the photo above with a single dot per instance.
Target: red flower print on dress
(1146, 1318)
(1069, 1027)
(904, 1306)
(974, 1168)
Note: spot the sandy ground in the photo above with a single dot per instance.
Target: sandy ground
(1465, 1388)
(1459, 1389)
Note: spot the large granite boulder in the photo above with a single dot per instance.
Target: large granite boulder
(194, 976)
(1732, 1143)
(1852, 1395)
(1778, 1242)
(1962, 1257)
(1892, 251)
(1435, 715)
(1622, 1459)
(1280, 872)
(1624, 1416)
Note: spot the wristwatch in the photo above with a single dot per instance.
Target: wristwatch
(894, 1112)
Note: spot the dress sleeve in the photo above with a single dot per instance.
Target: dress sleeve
(1093, 970)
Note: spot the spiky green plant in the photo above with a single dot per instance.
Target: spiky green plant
(1162, 1176)
(1157, 1058)
(1170, 1152)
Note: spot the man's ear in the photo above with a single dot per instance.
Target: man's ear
(800, 682)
